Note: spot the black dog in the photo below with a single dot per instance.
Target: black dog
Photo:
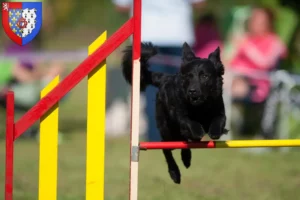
(188, 104)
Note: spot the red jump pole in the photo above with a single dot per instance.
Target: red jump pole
(9, 160)
(176, 145)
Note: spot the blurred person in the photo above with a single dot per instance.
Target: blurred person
(207, 36)
(167, 24)
(258, 51)
(25, 77)
(22, 71)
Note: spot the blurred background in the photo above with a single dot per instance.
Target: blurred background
(260, 44)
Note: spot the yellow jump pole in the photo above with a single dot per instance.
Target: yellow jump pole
(95, 158)
(257, 143)
(48, 149)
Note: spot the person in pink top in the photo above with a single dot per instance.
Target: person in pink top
(259, 51)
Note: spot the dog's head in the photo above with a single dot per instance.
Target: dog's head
(201, 78)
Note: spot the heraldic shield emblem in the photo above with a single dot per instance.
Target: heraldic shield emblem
(22, 21)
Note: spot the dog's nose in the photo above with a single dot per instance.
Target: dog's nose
(192, 91)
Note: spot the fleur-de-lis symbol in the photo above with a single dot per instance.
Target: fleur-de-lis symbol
(5, 6)
(14, 19)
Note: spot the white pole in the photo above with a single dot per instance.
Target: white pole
(134, 155)
(135, 102)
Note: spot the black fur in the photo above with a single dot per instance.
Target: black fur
(188, 104)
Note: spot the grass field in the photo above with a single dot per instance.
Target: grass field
(214, 174)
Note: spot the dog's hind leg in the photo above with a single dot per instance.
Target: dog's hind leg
(186, 156)
(166, 135)
(172, 166)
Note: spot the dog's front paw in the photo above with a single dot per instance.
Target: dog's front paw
(197, 131)
(175, 175)
(190, 137)
(193, 131)
(195, 138)
(216, 134)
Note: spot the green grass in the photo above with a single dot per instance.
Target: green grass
(214, 174)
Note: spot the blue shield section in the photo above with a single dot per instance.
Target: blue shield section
(14, 16)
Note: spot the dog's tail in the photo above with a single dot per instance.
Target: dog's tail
(147, 77)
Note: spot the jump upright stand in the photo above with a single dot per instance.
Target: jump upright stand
(135, 102)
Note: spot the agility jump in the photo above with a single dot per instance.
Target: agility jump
(94, 66)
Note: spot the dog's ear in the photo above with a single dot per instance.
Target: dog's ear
(187, 53)
(216, 59)
(215, 55)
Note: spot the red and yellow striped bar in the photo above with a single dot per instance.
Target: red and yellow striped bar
(95, 155)
(220, 144)
(48, 148)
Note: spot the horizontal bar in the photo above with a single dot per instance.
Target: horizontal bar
(220, 144)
